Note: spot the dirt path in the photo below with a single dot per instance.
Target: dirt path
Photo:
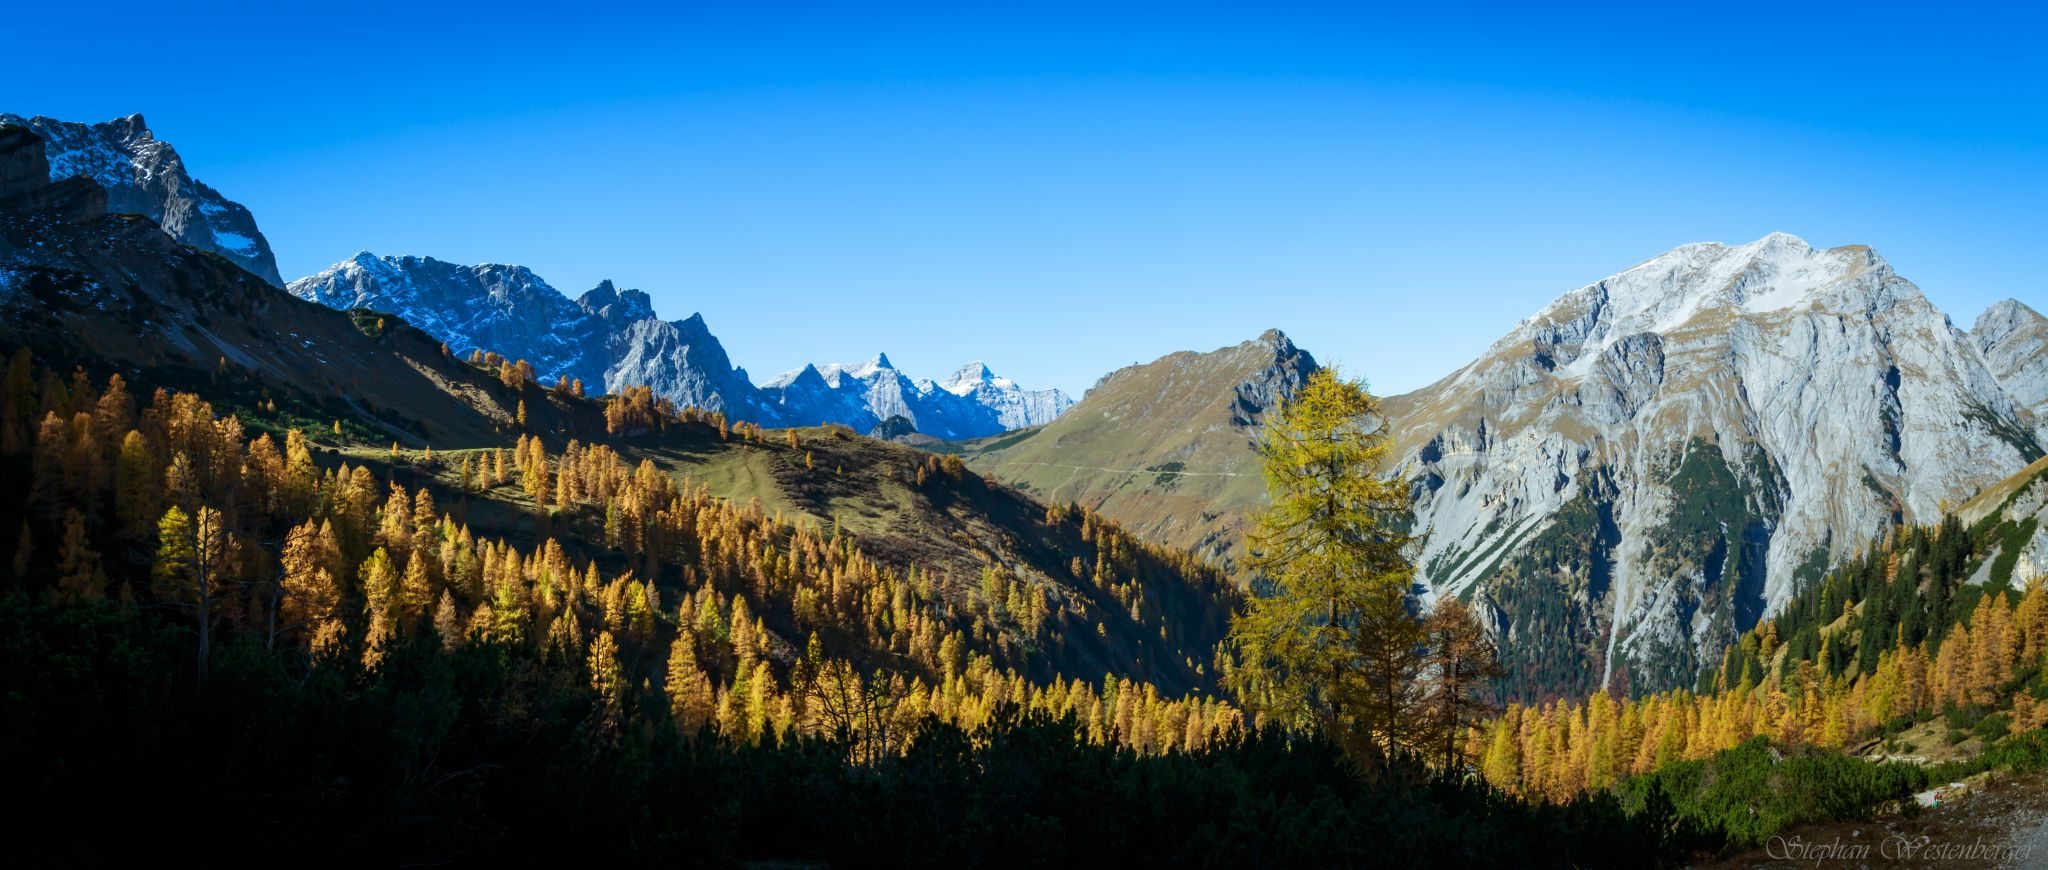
(2001, 825)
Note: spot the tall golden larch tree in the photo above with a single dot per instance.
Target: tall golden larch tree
(1326, 640)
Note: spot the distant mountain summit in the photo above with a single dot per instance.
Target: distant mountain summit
(608, 338)
(972, 403)
(612, 339)
(1014, 406)
(144, 175)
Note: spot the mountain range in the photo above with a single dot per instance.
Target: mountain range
(608, 338)
(102, 293)
(1629, 478)
(611, 339)
(1623, 483)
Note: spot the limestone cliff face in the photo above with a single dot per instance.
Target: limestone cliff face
(2014, 341)
(1658, 459)
(144, 175)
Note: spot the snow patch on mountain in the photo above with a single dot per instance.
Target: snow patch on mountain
(971, 403)
(144, 175)
(612, 339)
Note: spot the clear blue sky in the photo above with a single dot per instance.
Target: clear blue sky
(1065, 190)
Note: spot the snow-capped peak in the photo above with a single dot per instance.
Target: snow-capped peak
(1775, 274)
(611, 337)
(880, 362)
(971, 377)
(808, 372)
(971, 402)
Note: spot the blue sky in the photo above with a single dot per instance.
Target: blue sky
(1065, 190)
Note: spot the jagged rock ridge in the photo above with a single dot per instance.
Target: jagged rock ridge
(608, 338)
(612, 339)
(2014, 341)
(972, 403)
(144, 175)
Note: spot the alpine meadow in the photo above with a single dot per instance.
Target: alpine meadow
(1734, 557)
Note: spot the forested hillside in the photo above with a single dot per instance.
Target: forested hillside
(423, 656)
(288, 575)
(1928, 648)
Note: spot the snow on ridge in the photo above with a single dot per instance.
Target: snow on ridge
(144, 175)
(510, 310)
(1777, 273)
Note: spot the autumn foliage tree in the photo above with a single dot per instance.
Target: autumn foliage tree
(1327, 640)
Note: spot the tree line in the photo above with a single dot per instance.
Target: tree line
(715, 614)
(1893, 637)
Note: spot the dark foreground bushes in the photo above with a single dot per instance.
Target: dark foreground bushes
(491, 755)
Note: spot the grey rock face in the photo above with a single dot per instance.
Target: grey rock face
(492, 307)
(144, 175)
(1656, 460)
(1286, 367)
(2014, 341)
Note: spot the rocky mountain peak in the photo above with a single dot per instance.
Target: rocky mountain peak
(1704, 286)
(969, 378)
(134, 126)
(2013, 339)
(2005, 316)
(1277, 340)
(971, 403)
(606, 300)
(144, 175)
(612, 339)
(1166, 446)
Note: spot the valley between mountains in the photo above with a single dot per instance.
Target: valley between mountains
(1625, 482)
(1732, 497)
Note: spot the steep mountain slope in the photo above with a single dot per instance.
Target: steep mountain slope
(2014, 341)
(1639, 472)
(970, 404)
(611, 339)
(1165, 448)
(2014, 513)
(81, 286)
(144, 175)
(1634, 475)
